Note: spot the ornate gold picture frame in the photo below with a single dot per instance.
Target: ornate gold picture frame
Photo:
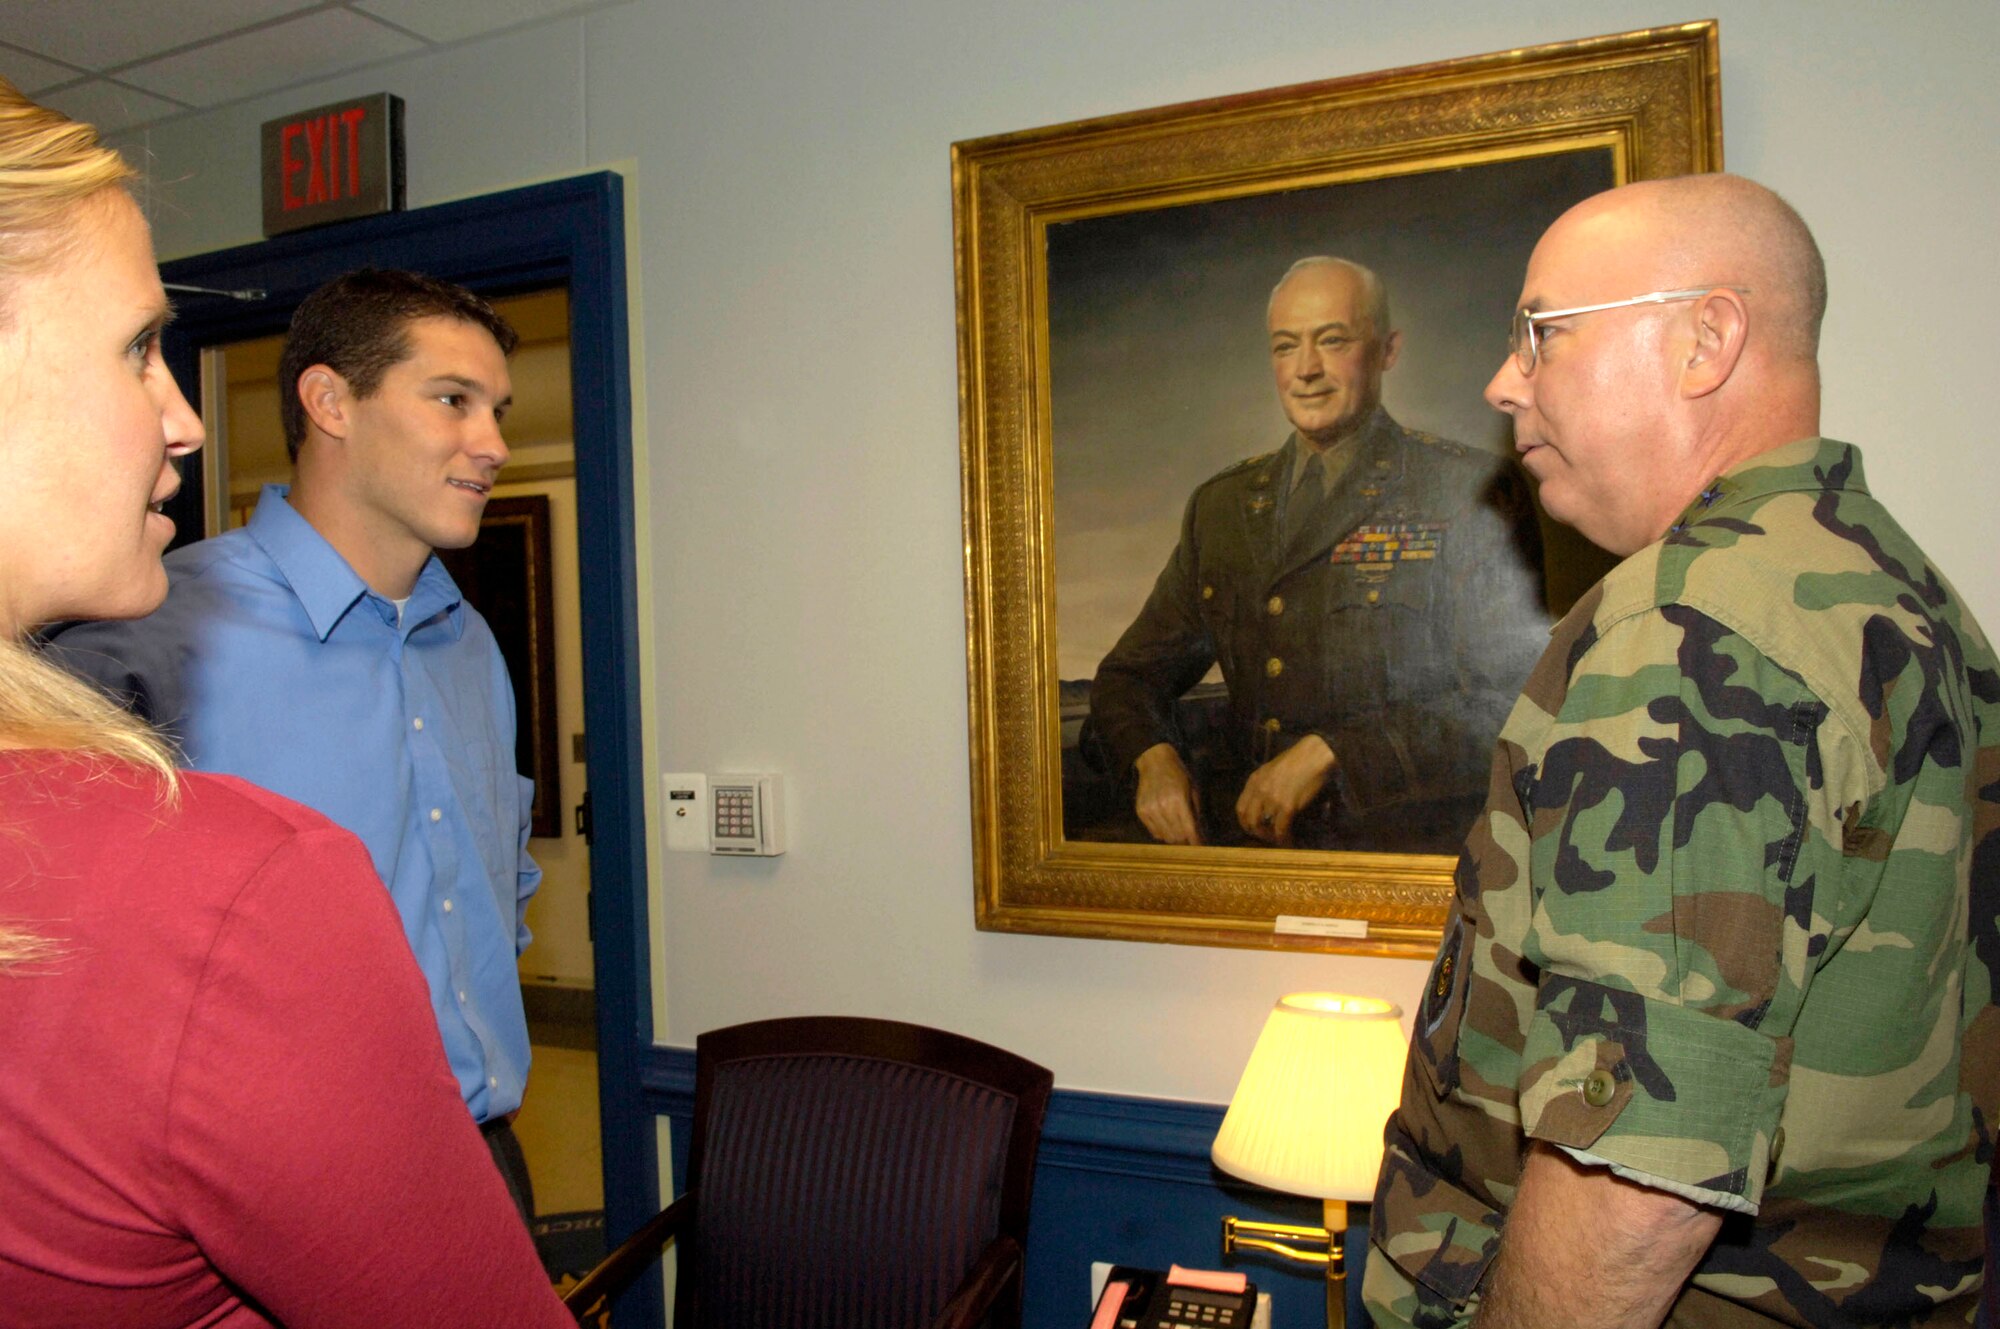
(1442, 175)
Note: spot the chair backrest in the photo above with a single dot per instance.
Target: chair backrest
(848, 1172)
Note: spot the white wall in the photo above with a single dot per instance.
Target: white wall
(794, 270)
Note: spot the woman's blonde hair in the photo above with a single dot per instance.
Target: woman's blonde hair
(49, 165)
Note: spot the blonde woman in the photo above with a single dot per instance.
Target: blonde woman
(223, 1101)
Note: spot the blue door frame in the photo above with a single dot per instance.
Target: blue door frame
(567, 233)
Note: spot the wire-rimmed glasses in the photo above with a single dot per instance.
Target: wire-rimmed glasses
(1525, 342)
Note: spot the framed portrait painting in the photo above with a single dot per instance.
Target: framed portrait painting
(1251, 576)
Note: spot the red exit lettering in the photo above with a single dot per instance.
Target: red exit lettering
(330, 142)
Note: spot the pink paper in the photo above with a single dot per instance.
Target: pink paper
(1212, 1279)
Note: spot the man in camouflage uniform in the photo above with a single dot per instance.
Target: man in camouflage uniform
(1710, 1035)
(1372, 594)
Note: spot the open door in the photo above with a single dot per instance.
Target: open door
(567, 237)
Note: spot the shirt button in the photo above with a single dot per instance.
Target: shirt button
(461, 994)
(1374, 597)
(1208, 592)
(1598, 1087)
(447, 906)
(437, 814)
(1275, 605)
(1273, 667)
(492, 1083)
(417, 723)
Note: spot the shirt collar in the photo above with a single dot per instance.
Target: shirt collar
(1809, 465)
(1376, 432)
(326, 585)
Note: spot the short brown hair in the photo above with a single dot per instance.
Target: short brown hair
(358, 326)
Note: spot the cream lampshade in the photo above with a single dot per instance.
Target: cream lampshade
(1307, 1119)
(1307, 1115)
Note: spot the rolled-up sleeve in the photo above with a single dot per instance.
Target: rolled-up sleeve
(1672, 925)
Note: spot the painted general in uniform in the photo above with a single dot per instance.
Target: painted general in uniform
(1373, 596)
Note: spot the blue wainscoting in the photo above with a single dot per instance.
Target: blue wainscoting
(1122, 1180)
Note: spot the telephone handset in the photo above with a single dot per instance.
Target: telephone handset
(1149, 1299)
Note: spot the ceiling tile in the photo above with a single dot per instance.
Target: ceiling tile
(456, 20)
(31, 75)
(108, 106)
(101, 34)
(299, 51)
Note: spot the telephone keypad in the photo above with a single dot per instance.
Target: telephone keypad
(1183, 1311)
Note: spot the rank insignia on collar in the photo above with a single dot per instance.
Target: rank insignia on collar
(1391, 542)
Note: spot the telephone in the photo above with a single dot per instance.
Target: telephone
(1149, 1299)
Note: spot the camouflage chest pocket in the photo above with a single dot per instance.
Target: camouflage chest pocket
(1439, 1234)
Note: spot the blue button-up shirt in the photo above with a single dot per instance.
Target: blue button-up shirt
(272, 660)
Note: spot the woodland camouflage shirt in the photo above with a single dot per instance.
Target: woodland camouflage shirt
(1728, 923)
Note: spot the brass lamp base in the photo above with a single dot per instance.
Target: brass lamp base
(1242, 1234)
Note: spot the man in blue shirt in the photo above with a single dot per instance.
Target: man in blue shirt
(324, 653)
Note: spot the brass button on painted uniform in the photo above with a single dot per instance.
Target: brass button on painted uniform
(1374, 597)
(1273, 725)
(1208, 592)
(1598, 1087)
(1275, 605)
(1273, 667)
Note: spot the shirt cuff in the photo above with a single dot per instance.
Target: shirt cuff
(1693, 1194)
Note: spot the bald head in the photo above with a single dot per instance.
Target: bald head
(1706, 230)
(1374, 295)
(1634, 403)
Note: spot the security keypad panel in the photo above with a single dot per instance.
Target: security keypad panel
(747, 814)
(735, 811)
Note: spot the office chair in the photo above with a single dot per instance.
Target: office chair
(846, 1174)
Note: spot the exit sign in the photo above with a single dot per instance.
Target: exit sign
(332, 163)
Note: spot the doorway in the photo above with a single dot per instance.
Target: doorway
(566, 237)
(522, 576)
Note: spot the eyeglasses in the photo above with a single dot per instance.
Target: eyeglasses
(1525, 342)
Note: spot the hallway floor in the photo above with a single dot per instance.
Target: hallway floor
(558, 1130)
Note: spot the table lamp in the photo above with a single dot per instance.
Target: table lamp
(1307, 1119)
